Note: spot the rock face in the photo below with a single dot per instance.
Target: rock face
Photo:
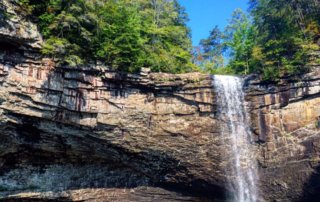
(88, 134)
(85, 128)
(14, 28)
(286, 120)
(150, 128)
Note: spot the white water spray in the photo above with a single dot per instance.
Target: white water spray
(231, 110)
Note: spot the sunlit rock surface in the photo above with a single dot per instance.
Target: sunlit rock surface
(87, 129)
(286, 120)
(159, 127)
(88, 134)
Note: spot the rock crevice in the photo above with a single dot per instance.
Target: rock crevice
(154, 126)
(96, 134)
(285, 118)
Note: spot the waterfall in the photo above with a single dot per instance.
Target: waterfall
(237, 139)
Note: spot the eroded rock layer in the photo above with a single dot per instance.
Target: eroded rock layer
(89, 134)
(286, 120)
(86, 128)
(158, 126)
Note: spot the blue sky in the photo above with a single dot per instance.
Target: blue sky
(205, 14)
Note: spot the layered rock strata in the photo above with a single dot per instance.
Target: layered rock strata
(68, 133)
(90, 134)
(286, 121)
(158, 126)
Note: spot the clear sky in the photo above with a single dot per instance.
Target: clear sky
(205, 14)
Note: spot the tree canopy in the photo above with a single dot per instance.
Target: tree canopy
(123, 34)
(277, 38)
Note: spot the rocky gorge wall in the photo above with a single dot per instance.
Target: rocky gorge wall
(86, 133)
(155, 125)
(286, 121)
(91, 134)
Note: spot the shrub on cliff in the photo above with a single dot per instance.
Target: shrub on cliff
(125, 35)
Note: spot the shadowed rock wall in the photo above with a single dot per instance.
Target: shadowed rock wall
(90, 134)
(286, 121)
(159, 126)
(88, 129)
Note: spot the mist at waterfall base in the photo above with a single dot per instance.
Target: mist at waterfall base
(243, 174)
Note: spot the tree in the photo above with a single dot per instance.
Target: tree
(236, 44)
(240, 38)
(287, 31)
(124, 34)
(213, 45)
(209, 54)
(168, 41)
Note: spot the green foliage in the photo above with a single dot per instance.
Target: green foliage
(240, 37)
(167, 39)
(237, 43)
(271, 73)
(119, 41)
(223, 71)
(123, 34)
(279, 38)
(212, 50)
(286, 30)
(212, 46)
(25, 6)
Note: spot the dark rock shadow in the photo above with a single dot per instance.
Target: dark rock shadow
(43, 160)
(3, 16)
(57, 143)
(311, 190)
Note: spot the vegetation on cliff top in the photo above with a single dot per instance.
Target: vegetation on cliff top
(277, 38)
(123, 34)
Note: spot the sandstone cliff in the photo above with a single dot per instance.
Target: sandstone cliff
(66, 131)
(286, 121)
(89, 134)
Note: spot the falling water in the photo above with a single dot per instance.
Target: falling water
(232, 111)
